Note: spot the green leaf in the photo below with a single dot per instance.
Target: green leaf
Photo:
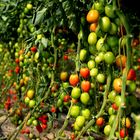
(40, 16)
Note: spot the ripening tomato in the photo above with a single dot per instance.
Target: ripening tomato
(100, 121)
(84, 72)
(114, 106)
(30, 93)
(121, 61)
(33, 49)
(123, 132)
(66, 98)
(17, 69)
(85, 86)
(117, 85)
(131, 74)
(53, 109)
(63, 75)
(74, 79)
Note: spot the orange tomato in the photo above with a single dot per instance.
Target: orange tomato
(121, 61)
(92, 16)
(93, 27)
(117, 85)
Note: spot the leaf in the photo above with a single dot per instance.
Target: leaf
(39, 16)
(44, 41)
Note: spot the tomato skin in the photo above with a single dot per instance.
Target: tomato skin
(66, 98)
(84, 72)
(100, 121)
(114, 106)
(131, 75)
(53, 109)
(64, 75)
(117, 85)
(17, 70)
(74, 79)
(75, 93)
(123, 133)
(121, 61)
(33, 49)
(109, 57)
(107, 130)
(85, 86)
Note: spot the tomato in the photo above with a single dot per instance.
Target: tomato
(131, 74)
(84, 72)
(65, 57)
(126, 122)
(118, 100)
(29, 6)
(93, 72)
(44, 126)
(66, 98)
(98, 59)
(135, 42)
(98, 6)
(76, 92)
(109, 11)
(76, 127)
(121, 61)
(65, 85)
(92, 38)
(74, 79)
(112, 41)
(85, 86)
(112, 95)
(100, 121)
(117, 84)
(33, 49)
(114, 106)
(100, 44)
(86, 113)
(114, 29)
(30, 93)
(111, 119)
(17, 69)
(80, 121)
(105, 24)
(72, 136)
(53, 109)
(63, 75)
(93, 27)
(109, 58)
(32, 103)
(75, 111)
(83, 54)
(131, 86)
(59, 102)
(91, 64)
(27, 100)
(123, 133)
(85, 98)
(111, 111)
(35, 122)
(107, 130)
(92, 16)
(100, 78)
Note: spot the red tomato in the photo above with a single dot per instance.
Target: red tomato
(84, 72)
(17, 60)
(72, 136)
(114, 106)
(66, 98)
(33, 49)
(17, 69)
(100, 121)
(39, 128)
(74, 79)
(44, 126)
(123, 133)
(53, 109)
(131, 75)
(65, 57)
(85, 86)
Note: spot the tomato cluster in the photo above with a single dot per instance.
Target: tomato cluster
(86, 77)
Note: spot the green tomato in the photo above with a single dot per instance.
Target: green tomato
(109, 11)
(100, 78)
(91, 64)
(85, 98)
(75, 111)
(83, 54)
(92, 38)
(107, 129)
(112, 95)
(118, 100)
(93, 72)
(76, 92)
(86, 113)
(32, 103)
(80, 121)
(111, 119)
(105, 24)
(109, 58)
